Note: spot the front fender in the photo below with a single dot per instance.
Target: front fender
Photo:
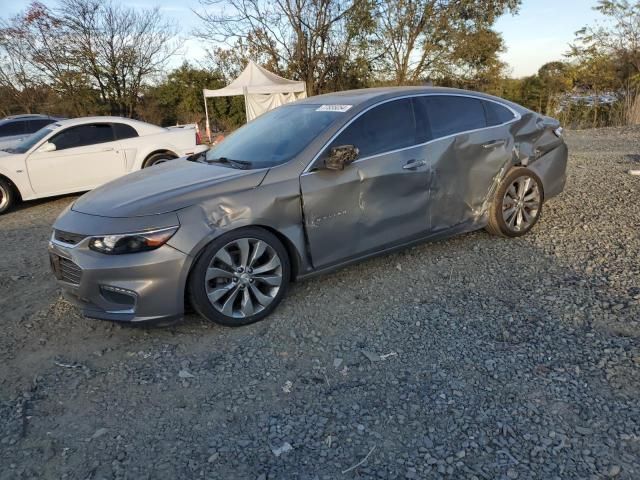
(15, 171)
(275, 207)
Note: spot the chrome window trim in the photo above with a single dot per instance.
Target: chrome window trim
(516, 117)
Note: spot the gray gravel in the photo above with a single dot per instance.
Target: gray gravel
(476, 357)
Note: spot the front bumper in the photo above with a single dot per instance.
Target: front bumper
(138, 287)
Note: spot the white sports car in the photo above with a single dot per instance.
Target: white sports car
(81, 154)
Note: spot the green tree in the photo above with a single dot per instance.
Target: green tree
(608, 56)
(178, 99)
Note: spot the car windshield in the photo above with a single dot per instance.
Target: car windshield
(30, 141)
(273, 138)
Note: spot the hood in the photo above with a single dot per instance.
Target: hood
(165, 188)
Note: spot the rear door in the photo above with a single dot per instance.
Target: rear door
(469, 151)
(86, 156)
(379, 200)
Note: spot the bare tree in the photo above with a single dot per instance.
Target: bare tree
(91, 52)
(298, 37)
(436, 38)
(34, 49)
(118, 48)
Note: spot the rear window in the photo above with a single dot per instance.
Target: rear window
(497, 114)
(449, 115)
(124, 131)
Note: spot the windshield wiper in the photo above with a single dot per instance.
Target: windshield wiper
(241, 164)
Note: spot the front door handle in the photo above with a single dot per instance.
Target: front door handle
(414, 164)
(494, 144)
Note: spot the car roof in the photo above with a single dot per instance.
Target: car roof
(374, 95)
(28, 116)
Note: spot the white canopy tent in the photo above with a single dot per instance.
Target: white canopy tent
(262, 90)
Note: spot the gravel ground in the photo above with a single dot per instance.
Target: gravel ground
(476, 357)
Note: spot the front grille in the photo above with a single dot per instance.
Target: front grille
(69, 271)
(68, 237)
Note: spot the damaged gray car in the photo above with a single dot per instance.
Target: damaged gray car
(303, 189)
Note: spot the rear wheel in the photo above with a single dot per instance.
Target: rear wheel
(517, 204)
(240, 278)
(7, 196)
(158, 158)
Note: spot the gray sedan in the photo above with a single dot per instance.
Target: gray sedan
(303, 189)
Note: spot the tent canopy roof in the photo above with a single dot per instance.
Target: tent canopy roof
(255, 79)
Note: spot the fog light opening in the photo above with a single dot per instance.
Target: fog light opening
(123, 298)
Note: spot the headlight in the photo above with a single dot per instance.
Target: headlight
(132, 242)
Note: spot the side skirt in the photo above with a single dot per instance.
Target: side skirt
(464, 227)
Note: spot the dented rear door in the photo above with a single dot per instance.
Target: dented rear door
(468, 156)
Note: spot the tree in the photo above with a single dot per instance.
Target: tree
(309, 40)
(608, 57)
(94, 54)
(557, 79)
(34, 48)
(118, 48)
(178, 99)
(437, 38)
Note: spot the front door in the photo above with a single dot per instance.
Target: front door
(86, 156)
(379, 200)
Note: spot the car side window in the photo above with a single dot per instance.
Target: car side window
(124, 131)
(497, 114)
(83, 135)
(449, 114)
(35, 125)
(384, 128)
(15, 127)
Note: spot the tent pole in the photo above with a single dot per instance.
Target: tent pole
(206, 113)
(246, 104)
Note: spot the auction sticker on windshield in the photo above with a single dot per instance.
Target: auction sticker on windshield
(333, 108)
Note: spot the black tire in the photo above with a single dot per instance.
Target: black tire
(198, 284)
(8, 196)
(497, 225)
(157, 158)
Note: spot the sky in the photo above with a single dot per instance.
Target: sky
(539, 33)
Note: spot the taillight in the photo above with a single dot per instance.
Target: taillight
(198, 139)
(559, 131)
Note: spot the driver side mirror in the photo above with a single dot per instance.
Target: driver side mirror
(47, 147)
(341, 156)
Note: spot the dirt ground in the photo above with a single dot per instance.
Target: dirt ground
(475, 357)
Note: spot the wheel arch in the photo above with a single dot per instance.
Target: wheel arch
(12, 184)
(295, 262)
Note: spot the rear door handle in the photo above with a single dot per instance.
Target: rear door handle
(494, 144)
(414, 164)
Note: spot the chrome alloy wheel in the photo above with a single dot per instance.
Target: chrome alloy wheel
(4, 197)
(243, 278)
(521, 204)
(161, 160)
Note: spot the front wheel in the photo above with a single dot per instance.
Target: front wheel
(517, 204)
(240, 278)
(157, 159)
(7, 196)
